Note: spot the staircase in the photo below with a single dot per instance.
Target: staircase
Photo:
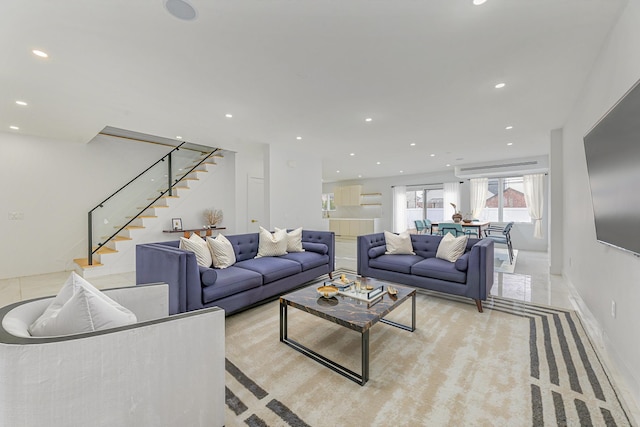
(116, 233)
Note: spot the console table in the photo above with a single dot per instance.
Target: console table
(187, 233)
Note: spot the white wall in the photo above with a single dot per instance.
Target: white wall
(56, 183)
(600, 273)
(521, 234)
(294, 189)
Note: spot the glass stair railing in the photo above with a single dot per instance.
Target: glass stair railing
(125, 208)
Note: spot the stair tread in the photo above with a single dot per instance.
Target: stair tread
(84, 263)
(105, 250)
(121, 238)
(134, 227)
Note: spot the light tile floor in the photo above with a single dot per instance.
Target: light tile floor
(530, 282)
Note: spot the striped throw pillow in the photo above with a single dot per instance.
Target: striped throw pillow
(272, 244)
(451, 248)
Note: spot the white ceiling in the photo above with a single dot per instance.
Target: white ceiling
(423, 70)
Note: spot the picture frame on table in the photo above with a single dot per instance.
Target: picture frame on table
(176, 224)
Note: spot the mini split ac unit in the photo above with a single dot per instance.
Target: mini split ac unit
(504, 168)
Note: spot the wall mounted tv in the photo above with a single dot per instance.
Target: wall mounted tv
(612, 148)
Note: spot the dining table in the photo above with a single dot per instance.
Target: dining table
(477, 227)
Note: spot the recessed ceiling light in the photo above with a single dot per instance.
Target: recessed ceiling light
(178, 137)
(479, 2)
(500, 85)
(228, 116)
(432, 155)
(447, 165)
(377, 163)
(337, 171)
(24, 104)
(359, 176)
(298, 138)
(352, 154)
(413, 144)
(368, 119)
(509, 127)
(40, 53)
(401, 171)
(14, 127)
(509, 143)
(181, 9)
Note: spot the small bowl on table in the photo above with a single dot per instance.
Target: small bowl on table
(328, 291)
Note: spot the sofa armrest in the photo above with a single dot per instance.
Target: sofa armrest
(326, 237)
(365, 243)
(176, 267)
(480, 269)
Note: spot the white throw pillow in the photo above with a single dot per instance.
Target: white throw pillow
(221, 251)
(451, 248)
(198, 246)
(80, 307)
(294, 240)
(272, 244)
(398, 244)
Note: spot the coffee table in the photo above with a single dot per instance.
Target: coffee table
(348, 312)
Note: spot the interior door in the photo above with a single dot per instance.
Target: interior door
(255, 204)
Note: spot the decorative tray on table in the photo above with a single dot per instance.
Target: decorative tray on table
(368, 295)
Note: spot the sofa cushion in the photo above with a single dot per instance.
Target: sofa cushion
(307, 260)
(462, 263)
(198, 246)
(231, 281)
(80, 307)
(425, 245)
(272, 244)
(398, 244)
(222, 253)
(451, 248)
(271, 268)
(208, 276)
(399, 263)
(294, 240)
(319, 248)
(437, 268)
(377, 251)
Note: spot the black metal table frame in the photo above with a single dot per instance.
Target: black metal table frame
(348, 373)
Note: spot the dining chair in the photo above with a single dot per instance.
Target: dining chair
(427, 225)
(472, 231)
(501, 235)
(451, 227)
(420, 227)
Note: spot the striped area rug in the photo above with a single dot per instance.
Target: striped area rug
(516, 364)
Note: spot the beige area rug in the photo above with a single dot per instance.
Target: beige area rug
(501, 260)
(515, 364)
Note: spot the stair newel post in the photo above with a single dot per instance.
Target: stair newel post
(90, 222)
(169, 175)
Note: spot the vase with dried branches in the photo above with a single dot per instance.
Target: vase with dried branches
(213, 217)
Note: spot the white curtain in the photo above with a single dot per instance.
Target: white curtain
(451, 195)
(399, 208)
(534, 198)
(479, 190)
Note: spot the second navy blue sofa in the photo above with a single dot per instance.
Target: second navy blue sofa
(471, 275)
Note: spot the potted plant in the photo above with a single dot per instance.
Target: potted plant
(457, 216)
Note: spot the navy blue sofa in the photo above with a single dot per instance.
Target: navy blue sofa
(249, 281)
(471, 275)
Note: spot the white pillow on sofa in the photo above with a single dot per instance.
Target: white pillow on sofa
(294, 240)
(272, 244)
(398, 244)
(198, 246)
(221, 251)
(80, 307)
(451, 248)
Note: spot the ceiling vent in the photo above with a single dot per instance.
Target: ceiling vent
(504, 168)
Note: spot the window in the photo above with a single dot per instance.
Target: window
(328, 203)
(505, 201)
(424, 203)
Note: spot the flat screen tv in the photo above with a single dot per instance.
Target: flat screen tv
(612, 148)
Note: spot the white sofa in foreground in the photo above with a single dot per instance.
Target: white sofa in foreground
(161, 371)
